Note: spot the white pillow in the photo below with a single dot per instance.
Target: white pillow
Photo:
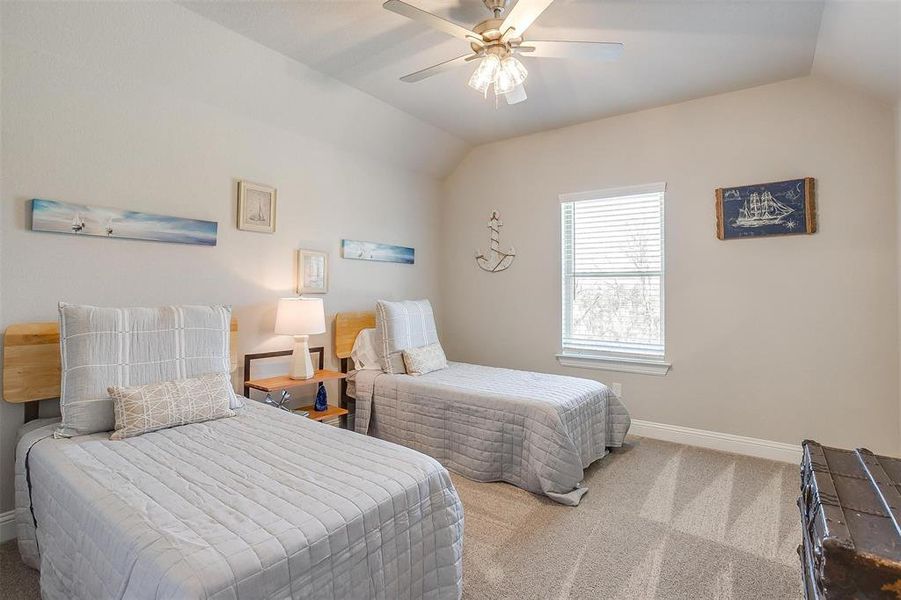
(103, 347)
(402, 325)
(426, 359)
(364, 353)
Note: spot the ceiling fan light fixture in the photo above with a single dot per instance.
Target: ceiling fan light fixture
(504, 82)
(485, 74)
(515, 68)
(517, 95)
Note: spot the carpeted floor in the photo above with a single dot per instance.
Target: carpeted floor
(660, 521)
(17, 582)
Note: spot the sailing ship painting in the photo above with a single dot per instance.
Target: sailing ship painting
(379, 252)
(256, 207)
(84, 220)
(779, 208)
(762, 209)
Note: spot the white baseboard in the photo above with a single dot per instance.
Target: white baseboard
(7, 526)
(725, 442)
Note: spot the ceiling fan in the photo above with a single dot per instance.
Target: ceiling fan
(497, 41)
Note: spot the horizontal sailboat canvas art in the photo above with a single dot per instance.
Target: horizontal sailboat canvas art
(778, 208)
(81, 219)
(379, 252)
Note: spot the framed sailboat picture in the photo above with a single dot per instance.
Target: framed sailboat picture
(256, 207)
(312, 272)
(85, 220)
(778, 208)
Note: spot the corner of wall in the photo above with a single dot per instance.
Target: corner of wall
(897, 164)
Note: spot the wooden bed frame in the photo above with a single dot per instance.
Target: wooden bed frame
(347, 326)
(31, 368)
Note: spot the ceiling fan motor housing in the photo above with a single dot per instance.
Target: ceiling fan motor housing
(491, 34)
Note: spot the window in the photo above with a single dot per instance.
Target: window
(613, 279)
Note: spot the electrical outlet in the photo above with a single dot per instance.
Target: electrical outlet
(617, 389)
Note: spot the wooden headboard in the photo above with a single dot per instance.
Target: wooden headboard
(347, 326)
(31, 369)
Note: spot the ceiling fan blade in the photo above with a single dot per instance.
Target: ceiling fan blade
(580, 50)
(521, 16)
(434, 21)
(435, 69)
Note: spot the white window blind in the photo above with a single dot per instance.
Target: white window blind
(613, 273)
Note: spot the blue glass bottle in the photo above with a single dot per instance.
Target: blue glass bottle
(321, 399)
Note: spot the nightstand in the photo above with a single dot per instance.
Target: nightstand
(283, 382)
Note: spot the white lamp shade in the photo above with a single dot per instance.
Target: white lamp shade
(300, 316)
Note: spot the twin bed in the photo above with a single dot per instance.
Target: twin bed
(268, 504)
(263, 505)
(536, 431)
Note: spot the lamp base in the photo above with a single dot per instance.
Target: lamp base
(301, 363)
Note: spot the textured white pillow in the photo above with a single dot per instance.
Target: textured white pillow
(103, 347)
(426, 359)
(156, 406)
(402, 325)
(364, 353)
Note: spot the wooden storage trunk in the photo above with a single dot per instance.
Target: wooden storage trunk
(850, 514)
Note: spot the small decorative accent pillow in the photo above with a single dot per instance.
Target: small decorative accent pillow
(402, 325)
(155, 406)
(364, 353)
(426, 359)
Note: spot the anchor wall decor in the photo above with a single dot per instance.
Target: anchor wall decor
(495, 260)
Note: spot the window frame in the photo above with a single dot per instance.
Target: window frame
(631, 362)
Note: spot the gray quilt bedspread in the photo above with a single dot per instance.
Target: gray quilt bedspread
(262, 505)
(534, 430)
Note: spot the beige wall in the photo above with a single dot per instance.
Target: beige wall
(131, 109)
(779, 338)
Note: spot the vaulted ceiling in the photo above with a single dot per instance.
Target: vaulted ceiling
(859, 46)
(674, 50)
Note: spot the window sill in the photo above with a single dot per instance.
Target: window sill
(644, 366)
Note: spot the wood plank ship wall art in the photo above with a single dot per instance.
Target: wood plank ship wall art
(764, 209)
(85, 220)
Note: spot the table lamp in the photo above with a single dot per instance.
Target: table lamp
(300, 317)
